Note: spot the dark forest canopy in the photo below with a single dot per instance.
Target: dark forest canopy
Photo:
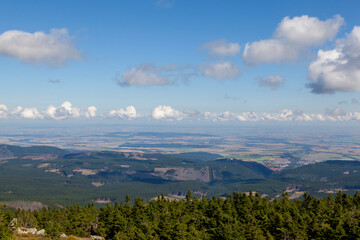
(239, 216)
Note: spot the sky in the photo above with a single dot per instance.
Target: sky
(178, 60)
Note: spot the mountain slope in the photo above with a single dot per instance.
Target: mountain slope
(109, 176)
(16, 151)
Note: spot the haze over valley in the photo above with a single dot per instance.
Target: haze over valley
(64, 165)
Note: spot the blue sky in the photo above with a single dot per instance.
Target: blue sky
(179, 60)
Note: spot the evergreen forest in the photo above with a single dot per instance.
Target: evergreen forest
(238, 216)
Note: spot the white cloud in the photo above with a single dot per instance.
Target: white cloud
(225, 116)
(220, 71)
(142, 76)
(54, 48)
(337, 69)
(66, 110)
(287, 115)
(31, 113)
(337, 114)
(128, 113)
(3, 111)
(317, 116)
(230, 116)
(222, 48)
(334, 115)
(248, 116)
(308, 31)
(209, 115)
(26, 113)
(166, 113)
(91, 112)
(284, 115)
(3, 107)
(149, 74)
(291, 37)
(273, 82)
(17, 110)
(51, 112)
(268, 51)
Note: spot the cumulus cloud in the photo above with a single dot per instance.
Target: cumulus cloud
(268, 51)
(221, 48)
(308, 31)
(243, 117)
(338, 114)
(247, 116)
(65, 110)
(152, 75)
(230, 116)
(287, 115)
(166, 113)
(91, 112)
(128, 113)
(17, 110)
(220, 71)
(3, 111)
(292, 36)
(337, 69)
(140, 76)
(53, 49)
(273, 82)
(25, 113)
(225, 116)
(31, 113)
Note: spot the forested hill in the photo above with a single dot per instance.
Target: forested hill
(54, 176)
(238, 216)
(107, 176)
(7, 151)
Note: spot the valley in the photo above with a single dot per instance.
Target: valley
(60, 177)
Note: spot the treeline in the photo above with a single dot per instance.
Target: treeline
(239, 216)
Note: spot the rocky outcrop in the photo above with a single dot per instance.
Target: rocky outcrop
(94, 237)
(186, 174)
(32, 231)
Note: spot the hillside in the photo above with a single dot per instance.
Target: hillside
(323, 178)
(54, 176)
(106, 176)
(9, 151)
